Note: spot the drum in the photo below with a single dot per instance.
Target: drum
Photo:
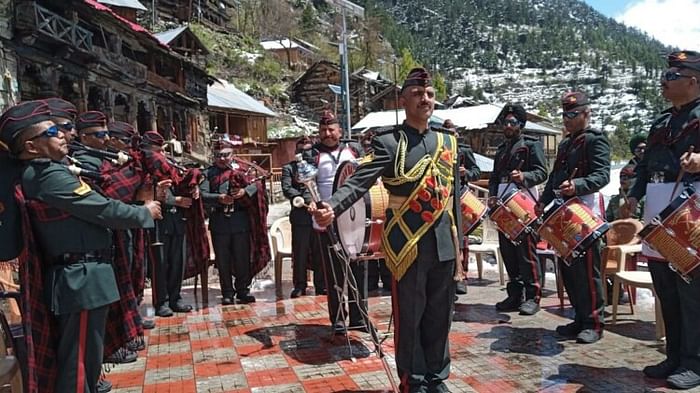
(675, 234)
(571, 228)
(515, 214)
(360, 227)
(473, 212)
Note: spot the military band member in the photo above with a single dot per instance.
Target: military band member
(70, 221)
(327, 155)
(169, 269)
(419, 169)
(670, 136)
(581, 169)
(304, 254)
(230, 225)
(519, 162)
(63, 114)
(92, 132)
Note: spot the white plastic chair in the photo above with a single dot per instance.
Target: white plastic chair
(281, 244)
(488, 245)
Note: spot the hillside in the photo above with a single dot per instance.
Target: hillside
(531, 51)
(527, 51)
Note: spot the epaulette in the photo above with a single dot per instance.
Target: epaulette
(385, 130)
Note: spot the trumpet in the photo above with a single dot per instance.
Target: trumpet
(117, 158)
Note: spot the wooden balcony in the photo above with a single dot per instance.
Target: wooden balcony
(133, 69)
(35, 18)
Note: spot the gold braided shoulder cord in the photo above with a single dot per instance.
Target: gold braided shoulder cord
(415, 173)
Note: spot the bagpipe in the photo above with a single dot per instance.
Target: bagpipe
(114, 157)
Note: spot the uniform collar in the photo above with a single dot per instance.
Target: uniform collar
(415, 130)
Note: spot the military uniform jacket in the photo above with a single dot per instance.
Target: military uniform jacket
(219, 222)
(669, 138)
(70, 218)
(437, 240)
(467, 160)
(291, 188)
(509, 156)
(588, 151)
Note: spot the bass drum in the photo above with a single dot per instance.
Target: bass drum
(360, 227)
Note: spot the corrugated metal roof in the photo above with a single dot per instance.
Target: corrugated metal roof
(279, 44)
(167, 36)
(472, 117)
(226, 95)
(125, 3)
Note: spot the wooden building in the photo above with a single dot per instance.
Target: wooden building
(241, 116)
(216, 14)
(296, 54)
(313, 89)
(87, 53)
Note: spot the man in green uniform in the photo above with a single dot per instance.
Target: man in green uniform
(670, 136)
(519, 163)
(581, 169)
(419, 169)
(92, 132)
(70, 221)
(303, 236)
(612, 211)
(229, 225)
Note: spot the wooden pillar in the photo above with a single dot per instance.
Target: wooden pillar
(226, 122)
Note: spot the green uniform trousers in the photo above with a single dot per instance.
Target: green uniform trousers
(80, 350)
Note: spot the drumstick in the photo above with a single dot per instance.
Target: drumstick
(681, 173)
(624, 195)
(520, 164)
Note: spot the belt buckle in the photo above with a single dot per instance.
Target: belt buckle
(658, 177)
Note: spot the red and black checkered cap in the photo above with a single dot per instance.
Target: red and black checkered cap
(121, 128)
(91, 119)
(152, 138)
(327, 118)
(418, 76)
(574, 99)
(684, 59)
(61, 108)
(21, 116)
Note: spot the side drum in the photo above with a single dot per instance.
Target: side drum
(571, 227)
(473, 211)
(360, 227)
(675, 234)
(515, 215)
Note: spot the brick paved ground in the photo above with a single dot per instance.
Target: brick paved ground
(286, 346)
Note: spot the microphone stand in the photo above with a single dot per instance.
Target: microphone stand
(307, 176)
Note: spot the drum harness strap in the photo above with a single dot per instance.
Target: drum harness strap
(415, 214)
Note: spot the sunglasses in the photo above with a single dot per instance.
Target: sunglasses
(673, 76)
(49, 133)
(511, 122)
(571, 114)
(66, 126)
(98, 134)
